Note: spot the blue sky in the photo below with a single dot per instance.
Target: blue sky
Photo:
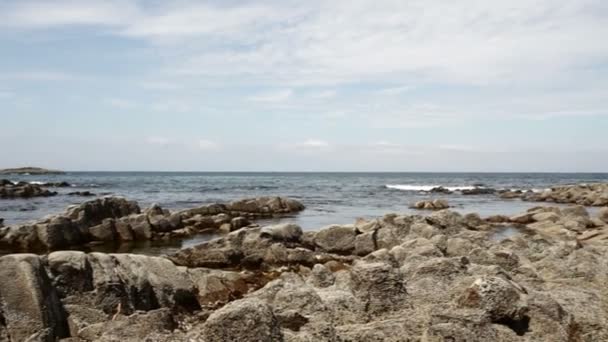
(305, 86)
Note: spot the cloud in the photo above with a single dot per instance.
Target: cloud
(313, 143)
(46, 14)
(121, 103)
(159, 85)
(160, 141)
(326, 94)
(272, 97)
(395, 90)
(207, 145)
(39, 75)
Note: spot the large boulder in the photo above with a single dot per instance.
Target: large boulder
(282, 232)
(266, 205)
(336, 239)
(247, 320)
(31, 309)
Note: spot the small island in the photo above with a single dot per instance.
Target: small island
(30, 170)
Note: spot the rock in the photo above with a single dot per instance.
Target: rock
(440, 190)
(243, 320)
(498, 219)
(124, 232)
(81, 193)
(510, 194)
(501, 300)
(8, 190)
(238, 223)
(575, 211)
(522, 218)
(478, 191)
(266, 205)
(437, 204)
(104, 231)
(155, 325)
(593, 194)
(282, 232)
(94, 212)
(603, 215)
(547, 216)
(31, 309)
(140, 225)
(59, 232)
(336, 239)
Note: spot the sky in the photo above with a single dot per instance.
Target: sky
(282, 85)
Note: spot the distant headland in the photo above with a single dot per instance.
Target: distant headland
(30, 170)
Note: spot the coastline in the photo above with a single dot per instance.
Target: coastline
(422, 276)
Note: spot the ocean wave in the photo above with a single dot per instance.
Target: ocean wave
(409, 187)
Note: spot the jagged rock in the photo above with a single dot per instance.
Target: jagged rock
(501, 300)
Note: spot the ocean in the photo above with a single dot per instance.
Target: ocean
(330, 198)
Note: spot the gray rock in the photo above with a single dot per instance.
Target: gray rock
(336, 239)
(282, 232)
(31, 308)
(247, 320)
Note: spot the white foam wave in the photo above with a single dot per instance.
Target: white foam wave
(409, 187)
(37, 183)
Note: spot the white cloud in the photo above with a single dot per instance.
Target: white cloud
(315, 143)
(395, 90)
(44, 14)
(272, 97)
(207, 145)
(39, 75)
(121, 103)
(159, 85)
(160, 141)
(326, 94)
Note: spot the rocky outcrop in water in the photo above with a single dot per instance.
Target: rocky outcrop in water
(10, 190)
(399, 278)
(437, 204)
(595, 194)
(113, 219)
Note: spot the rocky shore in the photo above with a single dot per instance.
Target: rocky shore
(584, 194)
(114, 219)
(10, 190)
(442, 277)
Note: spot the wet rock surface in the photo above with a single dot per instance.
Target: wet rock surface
(398, 278)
